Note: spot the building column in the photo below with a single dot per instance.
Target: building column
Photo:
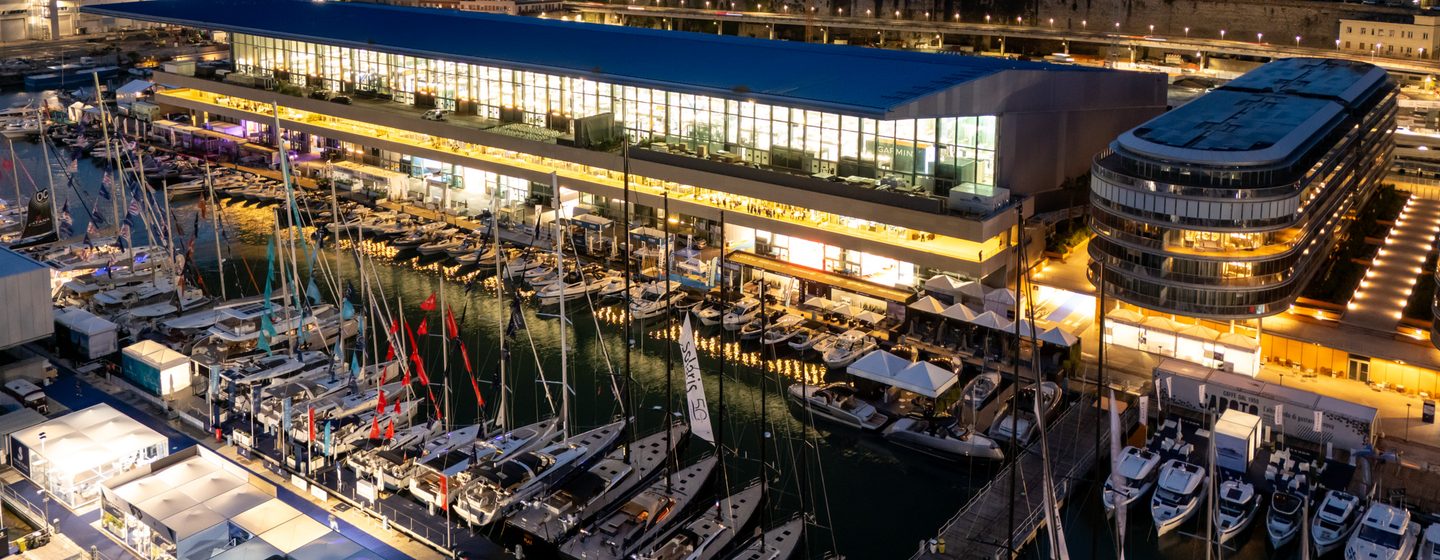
(54, 19)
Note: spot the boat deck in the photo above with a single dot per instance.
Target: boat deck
(974, 531)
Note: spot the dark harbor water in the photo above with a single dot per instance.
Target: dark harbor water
(864, 498)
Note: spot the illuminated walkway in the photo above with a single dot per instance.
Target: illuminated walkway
(1380, 301)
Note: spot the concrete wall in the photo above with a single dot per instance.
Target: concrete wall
(25, 289)
(1280, 20)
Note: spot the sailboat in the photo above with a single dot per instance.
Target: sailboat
(704, 536)
(498, 490)
(618, 534)
(778, 543)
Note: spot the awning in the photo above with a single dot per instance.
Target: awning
(880, 366)
(1059, 338)
(820, 303)
(1159, 324)
(650, 233)
(943, 283)
(959, 312)
(1002, 296)
(928, 304)
(1239, 341)
(990, 320)
(925, 378)
(1125, 315)
(591, 221)
(847, 283)
(972, 289)
(1199, 332)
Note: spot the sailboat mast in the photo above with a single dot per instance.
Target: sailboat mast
(290, 203)
(49, 174)
(669, 329)
(1012, 452)
(215, 225)
(501, 416)
(629, 322)
(15, 168)
(115, 157)
(560, 277)
(764, 433)
(720, 431)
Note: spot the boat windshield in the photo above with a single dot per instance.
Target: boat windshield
(1232, 509)
(1167, 497)
(1380, 537)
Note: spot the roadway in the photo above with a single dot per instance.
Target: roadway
(1183, 44)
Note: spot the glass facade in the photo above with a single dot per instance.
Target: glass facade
(1235, 241)
(929, 156)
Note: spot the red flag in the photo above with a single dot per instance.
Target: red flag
(452, 330)
(411, 333)
(397, 407)
(383, 370)
(444, 492)
(389, 352)
(420, 369)
(375, 427)
(381, 408)
(406, 380)
(7, 165)
(464, 355)
(476, 386)
(424, 328)
(429, 303)
(312, 424)
(390, 430)
(394, 326)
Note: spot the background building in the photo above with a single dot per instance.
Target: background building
(1395, 36)
(1226, 207)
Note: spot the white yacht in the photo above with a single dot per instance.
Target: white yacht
(1430, 546)
(1134, 476)
(576, 285)
(654, 301)
(837, 403)
(1021, 424)
(807, 339)
(1239, 505)
(1177, 495)
(709, 313)
(849, 346)
(741, 313)
(642, 517)
(498, 490)
(1386, 533)
(703, 537)
(943, 438)
(1334, 521)
(778, 543)
(1283, 521)
(454, 466)
(979, 389)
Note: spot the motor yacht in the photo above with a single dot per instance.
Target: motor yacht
(837, 403)
(1133, 477)
(1239, 505)
(654, 301)
(1283, 520)
(1386, 533)
(1334, 521)
(1429, 548)
(741, 313)
(1178, 494)
(980, 389)
(943, 438)
(642, 517)
(783, 330)
(848, 347)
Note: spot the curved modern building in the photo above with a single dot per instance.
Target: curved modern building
(1227, 206)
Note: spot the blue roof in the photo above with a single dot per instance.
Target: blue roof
(833, 77)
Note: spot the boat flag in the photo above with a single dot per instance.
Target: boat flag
(381, 408)
(394, 326)
(328, 451)
(375, 427)
(355, 363)
(262, 339)
(464, 356)
(390, 430)
(429, 303)
(397, 407)
(1279, 415)
(313, 292)
(97, 218)
(424, 327)
(312, 423)
(444, 492)
(452, 329)
(406, 380)
(285, 421)
(694, 389)
(1319, 422)
(134, 209)
(347, 310)
(420, 369)
(389, 352)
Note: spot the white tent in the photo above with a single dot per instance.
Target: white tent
(1000, 301)
(878, 366)
(330, 546)
(989, 320)
(156, 367)
(295, 533)
(925, 378)
(943, 284)
(843, 309)
(266, 516)
(867, 316)
(959, 312)
(1059, 337)
(972, 290)
(928, 304)
(1026, 330)
(1125, 315)
(820, 303)
(79, 449)
(253, 549)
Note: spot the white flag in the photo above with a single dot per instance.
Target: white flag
(1279, 415)
(1319, 422)
(1144, 410)
(1203, 404)
(694, 387)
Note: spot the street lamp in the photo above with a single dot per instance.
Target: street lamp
(1337, 44)
(1018, 21)
(1297, 41)
(1187, 32)
(1259, 37)
(1222, 34)
(1117, 26)
(1084, 24)
(987, 19)
(1152, 29)
(1052, 23)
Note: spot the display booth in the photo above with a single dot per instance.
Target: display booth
(155, 367)
(70, 456)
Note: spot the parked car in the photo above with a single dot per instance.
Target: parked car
(323, 95)
(341, 99)
(435, 115)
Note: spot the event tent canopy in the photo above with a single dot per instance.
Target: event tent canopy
(959, 312)
(928, 304)
(878, 366)
(925, 378)
(1059, 337)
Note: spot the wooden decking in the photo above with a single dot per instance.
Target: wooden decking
(977, 530)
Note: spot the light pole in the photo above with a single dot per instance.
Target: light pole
(1152, 29)
(1337, 44)
(987, 19)
(1259, 37)
(1117, 27)
(1085, 24)
(1052, 23)
(1297, 41)
(1407, 421)
(1222, 34)
(1187, 32)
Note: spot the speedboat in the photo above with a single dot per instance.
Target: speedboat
(709, 313)
(1238, 505)
(1132, 478)
(1282, 522)
(979, 390)
(442, 245)
(654, 301)
(411, 240)
(943, 438)
(837, 403)
(806, 339)
(849, 346)
(778, 543)
(1334, 521)
(1177, 495)
(783, 330)
(742, 312)
(1430, 546)
(518, 267)
(705, 535)
(610, 284)
(1386, 533)
(576, 285)
(454, 466)
(640, 518)
(1021, 424)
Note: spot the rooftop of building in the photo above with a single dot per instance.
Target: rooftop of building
(1265, 117)
(852, 79)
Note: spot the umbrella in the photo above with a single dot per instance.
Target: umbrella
(819, 303)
